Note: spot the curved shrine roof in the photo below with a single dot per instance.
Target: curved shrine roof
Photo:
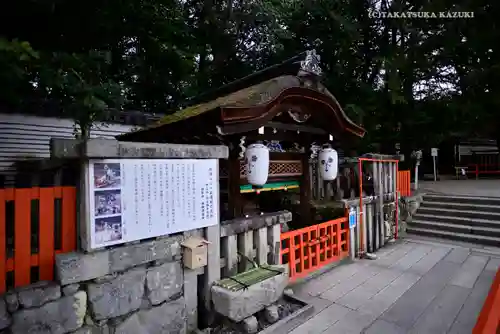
(249, 108)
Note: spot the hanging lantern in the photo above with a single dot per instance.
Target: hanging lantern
(328, 163)
(257, 164)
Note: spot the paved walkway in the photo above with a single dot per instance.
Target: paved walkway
(485, 188)
(413, 287)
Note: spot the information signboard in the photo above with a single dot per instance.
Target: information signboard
(136, 199)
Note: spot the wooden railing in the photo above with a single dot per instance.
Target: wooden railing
(35, 224)
(404, 182)
(311, 248)
(488, 321)
(483, 169)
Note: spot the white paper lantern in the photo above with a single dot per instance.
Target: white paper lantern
(257, 164)
(328, 164)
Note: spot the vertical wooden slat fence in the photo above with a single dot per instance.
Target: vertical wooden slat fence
(35, 224)
(404, 182)
(311, 248)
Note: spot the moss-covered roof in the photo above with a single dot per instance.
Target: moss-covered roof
(248, 97)
(253, 96)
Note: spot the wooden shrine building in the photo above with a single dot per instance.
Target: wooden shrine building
(285, 106)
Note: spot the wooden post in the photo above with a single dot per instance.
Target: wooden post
(274, 242)
(369, 226)
(245, 248)
(191, 288)
(386, 176)
(230, 253)
(212, 270)
(235, 201)
(376, 216)
(260, 240)
(380, 185)
(396, 197)
(305, 193)
(364, 227)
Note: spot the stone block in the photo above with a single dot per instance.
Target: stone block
(271, 314)
(322, 320)
(242, 225)
(458, 255)
(117, 297)
(58, 317)
(250, 325)
(37, 294)
(79, 267)
(110, 148)
(11, 301)
(443, 310)
(352, 322)
(385, 327)
(164, 282)
(129, 256)
(70, 289)
(470, 271)
(170, 317)
(242, 304)
(5, 319)
(408, 308)
(93, 330)
(131, 325)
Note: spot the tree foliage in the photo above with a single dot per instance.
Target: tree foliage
(410, 81)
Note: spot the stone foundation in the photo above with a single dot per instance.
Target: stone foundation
(127, 290)
(239, 305)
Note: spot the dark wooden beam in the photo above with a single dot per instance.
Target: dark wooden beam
(295, 128)
(235, 199)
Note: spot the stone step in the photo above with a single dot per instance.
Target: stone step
(462, 199)
(472, 238)
(461, 206)
(458, 228)
(456, 220)
(459, 213)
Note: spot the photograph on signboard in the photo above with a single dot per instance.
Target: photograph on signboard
(107, 175)
(108, 229)
(107, 202)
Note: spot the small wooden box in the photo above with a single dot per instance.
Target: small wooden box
(195, 253)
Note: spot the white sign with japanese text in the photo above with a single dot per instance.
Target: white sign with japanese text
(134, 199)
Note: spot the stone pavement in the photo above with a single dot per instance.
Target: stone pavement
(480, 188)
(413, 287)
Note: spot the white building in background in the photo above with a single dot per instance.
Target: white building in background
(27, 137)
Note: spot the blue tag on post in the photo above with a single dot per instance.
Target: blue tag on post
(352, 218)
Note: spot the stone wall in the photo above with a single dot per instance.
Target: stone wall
(133, 289)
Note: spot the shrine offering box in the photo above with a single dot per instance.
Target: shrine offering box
(195, 253)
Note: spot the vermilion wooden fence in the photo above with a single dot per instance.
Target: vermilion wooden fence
(35, 224)
(310, 248)
(404, 182)
(488, 321)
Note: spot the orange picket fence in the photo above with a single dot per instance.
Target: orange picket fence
(35, 224)
(404, 182)
(311, 248)
(488, 321)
